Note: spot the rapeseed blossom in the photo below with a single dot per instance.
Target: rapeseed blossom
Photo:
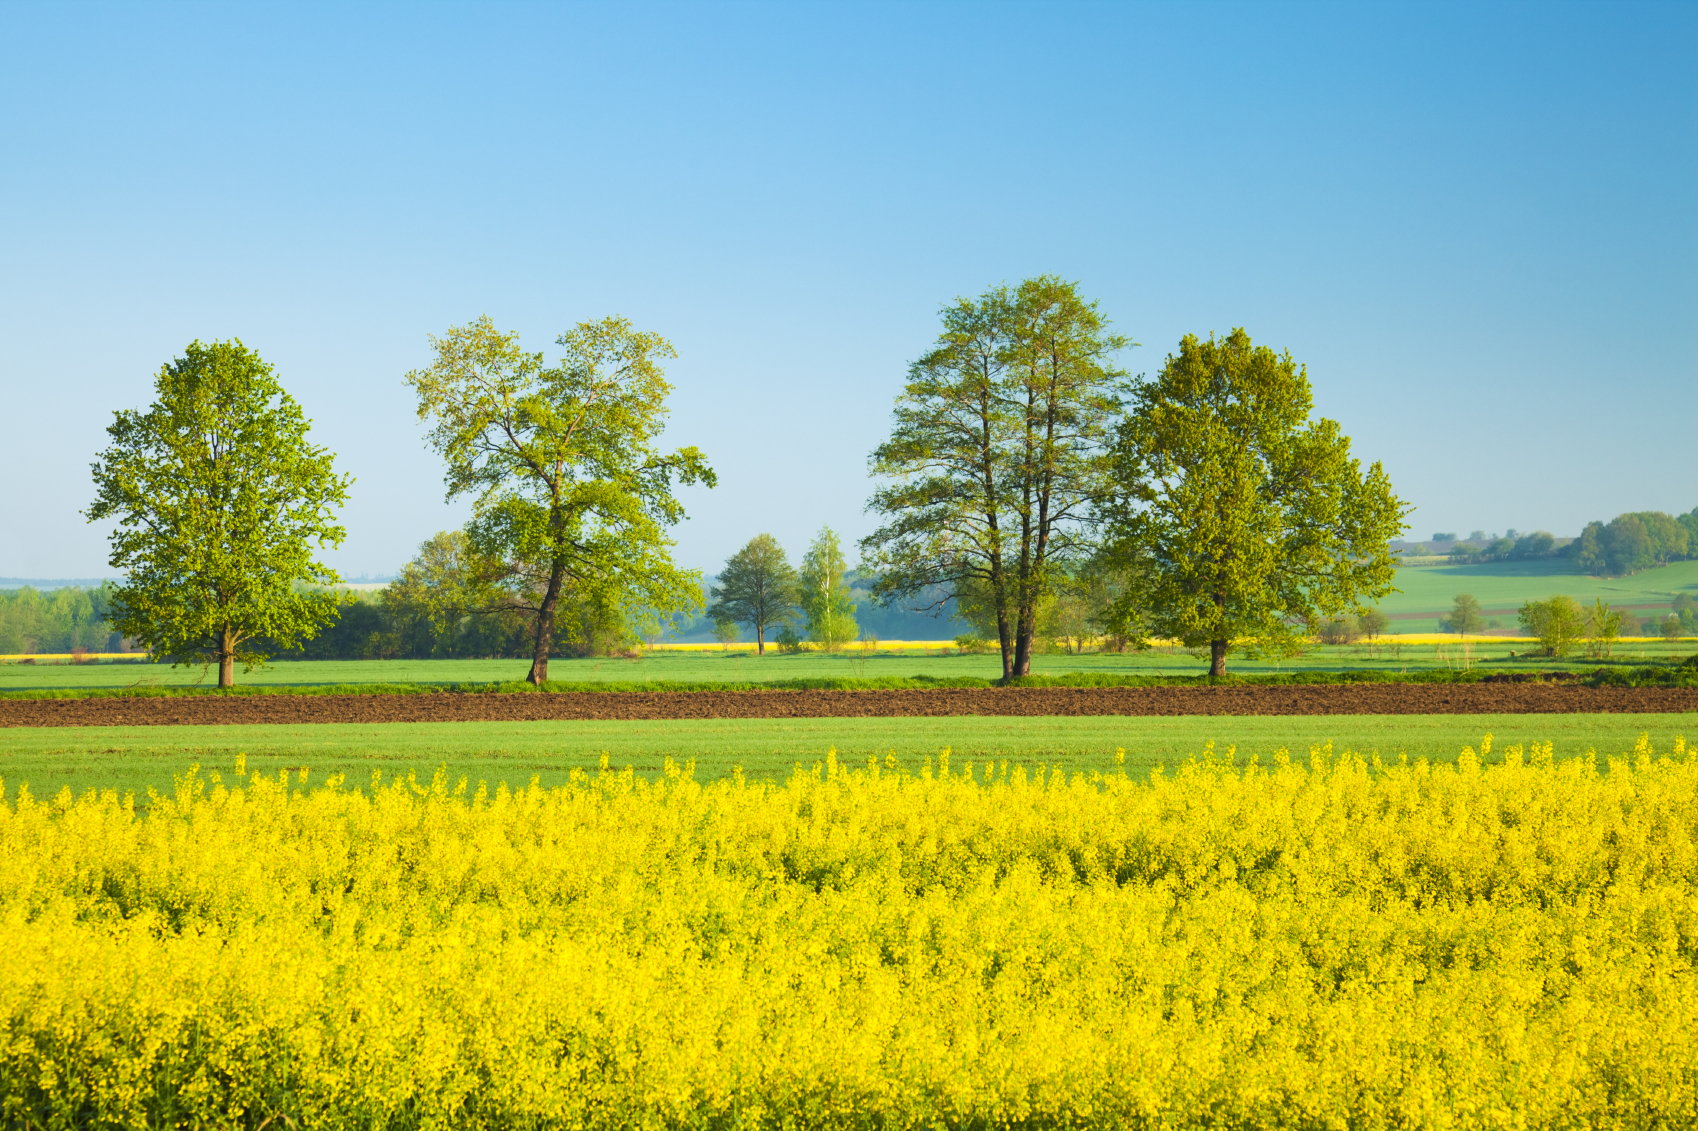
(1318, 943)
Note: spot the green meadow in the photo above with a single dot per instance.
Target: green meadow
(140, 758)
(1425, 593)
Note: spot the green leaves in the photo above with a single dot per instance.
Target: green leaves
(758, 587)
(824, 592)
(561, 463)
(1240, 518)
(996, 456)
(221, 501)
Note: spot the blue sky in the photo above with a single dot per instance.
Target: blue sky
(1477, 224)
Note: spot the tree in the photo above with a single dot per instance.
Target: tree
(1603, 627)
(997, 457)
(1588, 550)
(1628, 546)
(449, 601)
(221, 503)
(1339, 630)
(1373, 623)
(824, 591)
(1538, 544)
(725, 632)
(1244, 518)
(1464, 618)
(568, 487)
(757, 588)
(1556, 623)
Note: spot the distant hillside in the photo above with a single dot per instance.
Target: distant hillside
(1503, 587)
(54, 582)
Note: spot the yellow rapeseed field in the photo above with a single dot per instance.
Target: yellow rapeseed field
(1318, 943)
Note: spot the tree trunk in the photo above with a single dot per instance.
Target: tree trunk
(227, 658)
(1005, 641)
(1023, 634)
(545, 626)
(1217, 658)
(760, 639)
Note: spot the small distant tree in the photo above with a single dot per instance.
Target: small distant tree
(1556, 623)
(1685, 610)
(1670, 627)
(1338, 630)
(1373, 623)
(221, 502)
(725, 632)
(1465, 618)
(758, 588)
(1464, 552)
(1445, 537)
(1603, 628)
(825, 596)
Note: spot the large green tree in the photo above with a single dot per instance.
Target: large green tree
(1241, 518)
(561, 462)
(996, 457)
(823, 589)
(756, 588)
(221, 505)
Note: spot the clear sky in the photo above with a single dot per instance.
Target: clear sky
(1477, 224)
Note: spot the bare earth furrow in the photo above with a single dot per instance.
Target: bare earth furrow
(1359, 699)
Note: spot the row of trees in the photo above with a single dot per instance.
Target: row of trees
(1635, 541)
(1626, 544)
(1022, 459)
(59, 620)
(1512, 547)
(1024, 470)
(1466, 618)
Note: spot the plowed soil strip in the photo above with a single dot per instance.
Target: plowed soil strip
(1356, 699)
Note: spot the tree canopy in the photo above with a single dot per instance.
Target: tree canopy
(221, 504)
(824, 593)
(569, 489)
(1240, 519)
(758, 587)
(997, 457)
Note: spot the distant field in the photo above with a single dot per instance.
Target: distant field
(1502, 587)
(137, 758)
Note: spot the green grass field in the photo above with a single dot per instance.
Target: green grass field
(741, 667)
(136, 758)
(1502, 587)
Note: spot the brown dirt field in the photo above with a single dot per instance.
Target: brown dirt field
(1358, 699)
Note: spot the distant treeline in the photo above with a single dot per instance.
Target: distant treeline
(405, 621)
(397, 622)
(1628, 543)
(60, 620)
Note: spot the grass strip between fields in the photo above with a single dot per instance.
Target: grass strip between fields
(135, 759)
(1682, 674)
